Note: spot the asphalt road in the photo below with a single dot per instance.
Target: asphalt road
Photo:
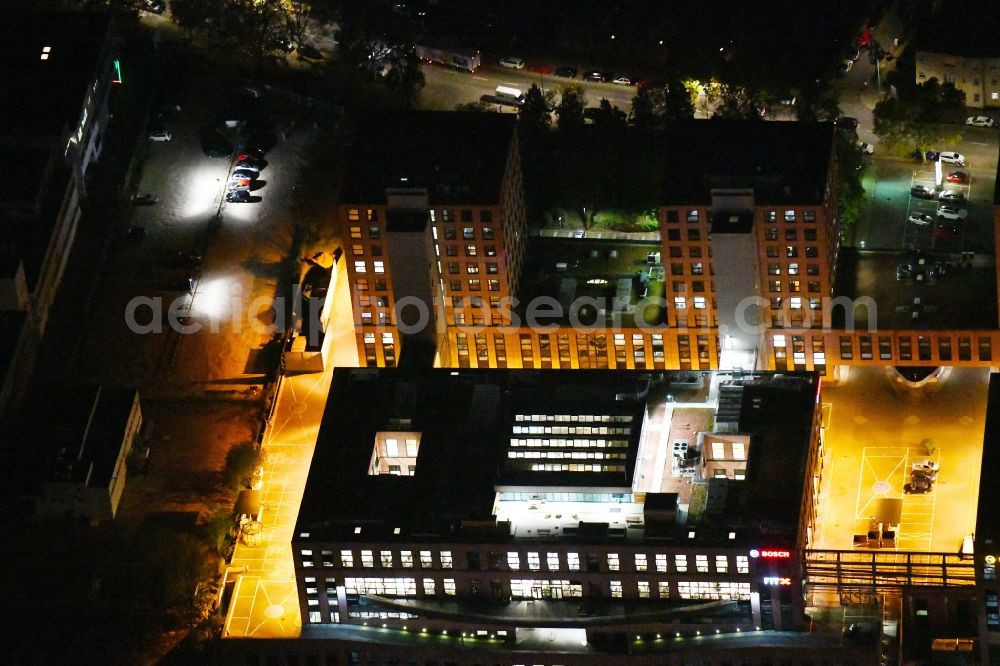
(445, 87)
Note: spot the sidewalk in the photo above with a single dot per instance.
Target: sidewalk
(265, 601)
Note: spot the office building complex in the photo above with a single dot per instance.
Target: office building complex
(743, 272)
(504, 505)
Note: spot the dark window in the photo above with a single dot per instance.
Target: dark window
(673, 234)
(673, 217)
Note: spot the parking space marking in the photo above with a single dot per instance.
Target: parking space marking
(891, 464)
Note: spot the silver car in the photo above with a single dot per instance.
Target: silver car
(952, 213)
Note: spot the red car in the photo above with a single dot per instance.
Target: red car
(956, 177)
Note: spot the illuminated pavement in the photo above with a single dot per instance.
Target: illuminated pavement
(265, 602)
(872, 438)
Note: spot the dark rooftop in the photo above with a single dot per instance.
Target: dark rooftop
(784, 162)
(458, 157)
(11, 328)
(83, 441)
(987, 518)
(42, 96)
(467, 421)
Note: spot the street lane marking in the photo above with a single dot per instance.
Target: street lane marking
(979, 143)
(480, 78)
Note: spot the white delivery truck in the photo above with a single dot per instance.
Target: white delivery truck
(466, 59)
(509, 94)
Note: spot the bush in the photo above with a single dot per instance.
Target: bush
(241, 461)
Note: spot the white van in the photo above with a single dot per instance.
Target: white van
(512, 94)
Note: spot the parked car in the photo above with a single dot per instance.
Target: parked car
(238, 196)
(626, 81)
(922, 219)
(950, 157)
(566, 72)
(245, 173)
(921, 192)
(239, 183)
(956, 177)
(845, 66)
(144, 200)
(308, 51)
(247, 165)
(160, 135)
(951, 196)
(250, 158)
(510, 62)
(980, 121)
(597, 77)
(154, 6)
(866, 148)
(952, 213)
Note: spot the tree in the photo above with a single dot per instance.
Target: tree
(643, 115)
(818, 102)
(919, 116)
(608, 117)
(296, 19)
(534, 116)
(572, 101)
(405, 80)
(241, 461)
(192, 15)
(737, 103)
(850, 192)
(677, 101)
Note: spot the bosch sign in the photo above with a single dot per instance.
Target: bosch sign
(771, 554)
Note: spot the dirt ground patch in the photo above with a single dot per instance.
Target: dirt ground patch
(188, 441)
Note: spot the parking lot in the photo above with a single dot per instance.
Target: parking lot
(875, 431)
(219, 264)
(884, 223)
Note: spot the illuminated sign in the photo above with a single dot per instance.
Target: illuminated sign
(777, 580)
(990, 559)
(771, 554)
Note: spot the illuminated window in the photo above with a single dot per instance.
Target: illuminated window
(616, 589)
(533, 562)
(378, 266)
(699, 302)
(742, 564)
(429, 588)
(513, 561)
(406, 559)
(446, 562)
(661, 563)
(613, 562)
(701, 563)
(367, 559)
(640, 562)
(643, 587)
(573, 561)
(347, 559)
(789, 216)
(386, 559)
(739, 451)
(552, 561)
(721, 564)
(680, 563)
(679, 302)
(359, 267)
(449, 587)
(426, 561)
(795, 303)
(46, 51)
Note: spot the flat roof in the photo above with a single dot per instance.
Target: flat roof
(987, 518)
(89, 430)
(471, 424)
(42, 96)
(784, 162)
(11, 327)
(459, 157)
(566, 269)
